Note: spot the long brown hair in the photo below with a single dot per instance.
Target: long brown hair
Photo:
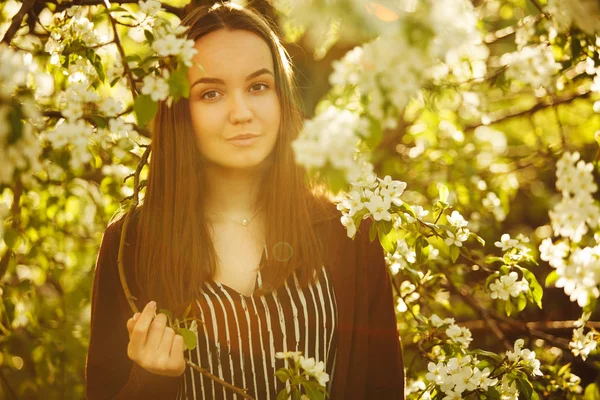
(174, 252)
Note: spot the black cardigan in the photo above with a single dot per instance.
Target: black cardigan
(369, 356)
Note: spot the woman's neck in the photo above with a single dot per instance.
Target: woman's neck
(232, 192)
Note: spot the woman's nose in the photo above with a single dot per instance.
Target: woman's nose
(240, 109)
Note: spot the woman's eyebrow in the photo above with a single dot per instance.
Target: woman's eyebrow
(222, 82)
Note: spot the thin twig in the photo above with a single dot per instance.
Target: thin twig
(17, 20)
(130, 298)
(482, 312)
(205, 372)
(119, 45)
(9, 389)
(64, 5)
(16, 221)
(535, 325)
(498, 117)
(539, 7)
(561, 129)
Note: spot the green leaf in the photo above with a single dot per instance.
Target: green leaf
(11, 238)
(491, 278)
(591, 392)
(283, 394)
(563, 369)
(487, 354)
(493, 394)
(149, 35)
(509, 307)
(145, 108)
(312, 390)
(443, 193)
(536, 289)
(524, 387)
(387, 238)
(282, 374)
(96, 61)
(521, 302)
(454, 253)
(372, 231)
(551, 278)
(422, 249)
(375, 134)
(187, 311)
(99, 121)
(15, 120)
(478, 238)
(179, 84)
(166, 312)
(336, 179)
(189, 338)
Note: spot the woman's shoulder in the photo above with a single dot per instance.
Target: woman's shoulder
(322, 209)
(112, 234)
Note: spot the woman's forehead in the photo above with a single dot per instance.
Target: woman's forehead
(231, 54)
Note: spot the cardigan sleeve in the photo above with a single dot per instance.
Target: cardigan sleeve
(110, 374)
(385, 378)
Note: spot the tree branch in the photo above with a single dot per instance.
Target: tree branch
(16, 221)
(536, 325)
(64, 5)
(6, 384)
(539, 7)
(482, 312)
(17, 20)
(130, 298)
(498, 117)
(121, 50)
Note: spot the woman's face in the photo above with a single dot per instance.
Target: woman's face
(234, 94)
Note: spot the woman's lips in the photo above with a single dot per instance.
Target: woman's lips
(244, 142)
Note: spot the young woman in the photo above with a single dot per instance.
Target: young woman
(230, 225)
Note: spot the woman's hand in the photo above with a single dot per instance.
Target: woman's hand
(153, 345)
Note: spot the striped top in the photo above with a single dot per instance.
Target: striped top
(241, 334)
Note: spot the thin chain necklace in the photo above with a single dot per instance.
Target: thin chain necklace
(243, 222)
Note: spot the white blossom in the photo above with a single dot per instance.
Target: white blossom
(156, 87)
(508, 389)
(554, 253)
(582, 13)
(402, 257)
(456, 238)
(456, 220)
(532, 65)
(507, 286)
(459, 334)
(331, 138)
(583, 344)
(316, 369)
(111, 106)
(150, 7)
(348, 222)
(379, 207)
(525, 357)
(294, 355)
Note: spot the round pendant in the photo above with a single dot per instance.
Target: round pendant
(244, 222)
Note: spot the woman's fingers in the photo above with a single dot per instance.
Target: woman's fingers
(156, 331)
(177, 347)
(139, 331)
(176, 357)
(166, 342)
(154, 345)
(131, 323)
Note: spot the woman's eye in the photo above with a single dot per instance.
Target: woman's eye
(210, 95)
(259, 85)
